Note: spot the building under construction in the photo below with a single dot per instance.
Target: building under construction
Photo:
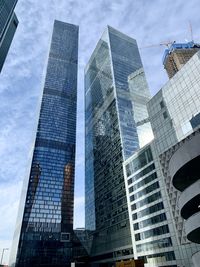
(177, 55)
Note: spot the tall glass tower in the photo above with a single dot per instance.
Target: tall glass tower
(8, 26)
(44, 231)
(111, 137)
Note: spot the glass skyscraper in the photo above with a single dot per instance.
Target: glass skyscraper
(8, 26)
(44, 231)
(111, 137)
(177, 55)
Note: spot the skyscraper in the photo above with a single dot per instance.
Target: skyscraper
(111, 137)
(177, 55)
(44, 231)
(8, 26)
(157, 229)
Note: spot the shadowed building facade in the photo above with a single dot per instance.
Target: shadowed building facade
(111, 137)
(44, 231)
(181, 163)
(8, 26)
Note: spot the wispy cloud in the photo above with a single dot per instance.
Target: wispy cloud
(79, 202)
(10, 194)
(150, 22)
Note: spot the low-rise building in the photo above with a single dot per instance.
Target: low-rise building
(153, 232)
(181, 165)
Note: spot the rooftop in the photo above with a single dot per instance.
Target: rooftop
(176, 46)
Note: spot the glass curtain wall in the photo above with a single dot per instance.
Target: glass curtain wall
(46, 232)
(111, 136)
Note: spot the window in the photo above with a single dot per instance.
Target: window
(145, 181)
(142, 173)
(65, 237)
(169, 256)
(165, 114)
(156, 244)
(145, 201)
(143, 159)
(145, 191)
(162, 105)
(153, 232)
(148, 211)
(151, 221)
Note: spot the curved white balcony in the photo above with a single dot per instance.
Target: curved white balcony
(183, 165)
(189, 200)
(192, 228)
(196, 259)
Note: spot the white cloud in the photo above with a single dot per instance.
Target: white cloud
(79, 202)
(10, 194)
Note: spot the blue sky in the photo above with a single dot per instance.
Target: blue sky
(149, 22)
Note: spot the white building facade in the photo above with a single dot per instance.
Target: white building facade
(157, 229)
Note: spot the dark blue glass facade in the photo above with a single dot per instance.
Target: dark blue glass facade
(195, 121)
(46, 232)
(6, 12)
(8, 26)
(111, 137)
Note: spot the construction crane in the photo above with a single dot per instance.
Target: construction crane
(191, 31)
(168, 43)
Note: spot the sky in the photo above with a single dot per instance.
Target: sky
(149, 22)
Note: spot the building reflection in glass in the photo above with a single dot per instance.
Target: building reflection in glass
(44, 234)
(111, 137)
